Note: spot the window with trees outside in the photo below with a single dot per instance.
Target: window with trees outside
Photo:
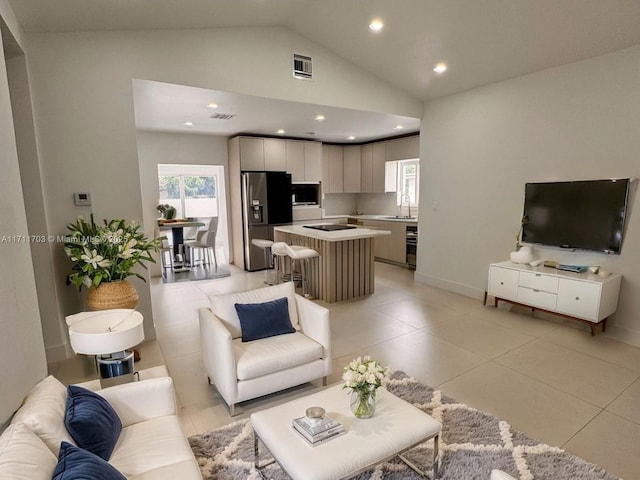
(194, 195)
(408, 182)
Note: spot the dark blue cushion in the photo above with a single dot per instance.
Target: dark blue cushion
(262, 320)
(91, 421)
(77, 464)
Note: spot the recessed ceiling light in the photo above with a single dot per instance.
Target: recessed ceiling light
(351, 137)
(188, 124)
(376, 25)
(398, 127)
(280, 131)
(440, 68)
(212, 105)
(319, 117)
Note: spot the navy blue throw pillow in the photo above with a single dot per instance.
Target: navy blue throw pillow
(91, 421)
(77, 464)
(262, 320)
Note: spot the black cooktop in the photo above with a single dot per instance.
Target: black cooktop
(330, 227)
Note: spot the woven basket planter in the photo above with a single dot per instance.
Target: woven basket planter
(118, 294)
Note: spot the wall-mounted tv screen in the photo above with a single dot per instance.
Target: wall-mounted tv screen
(586, 215)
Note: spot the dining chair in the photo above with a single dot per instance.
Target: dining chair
(166, 247)
(205, 241)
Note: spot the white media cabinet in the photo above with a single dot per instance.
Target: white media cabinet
(581, 296)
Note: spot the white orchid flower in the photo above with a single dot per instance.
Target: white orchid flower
(128, 251)
(94, 259)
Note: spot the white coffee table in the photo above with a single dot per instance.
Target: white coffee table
(396, 427)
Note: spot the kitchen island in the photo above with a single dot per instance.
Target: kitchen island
(345, 268)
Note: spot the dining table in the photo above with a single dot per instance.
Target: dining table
(177, 232)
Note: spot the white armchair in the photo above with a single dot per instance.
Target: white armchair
(244, 370)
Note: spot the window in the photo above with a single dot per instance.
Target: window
(192, 195)
(408, 182)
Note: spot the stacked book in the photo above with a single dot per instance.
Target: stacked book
(317, 431)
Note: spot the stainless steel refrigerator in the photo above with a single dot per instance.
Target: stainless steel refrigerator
(266, 202)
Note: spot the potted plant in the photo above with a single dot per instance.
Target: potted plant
(104, 256)
(168, 212)
(522, 253)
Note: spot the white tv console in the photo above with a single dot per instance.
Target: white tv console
(580, 296)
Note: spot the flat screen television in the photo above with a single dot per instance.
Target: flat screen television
(584, 215)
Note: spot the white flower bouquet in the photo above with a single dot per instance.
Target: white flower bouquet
(106, 253)
(363, 376)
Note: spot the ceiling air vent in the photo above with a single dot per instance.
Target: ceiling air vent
(302, 66)
(221, 116)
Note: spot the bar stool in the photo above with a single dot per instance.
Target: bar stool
(304, 255)
(266, 246)
(279, 252)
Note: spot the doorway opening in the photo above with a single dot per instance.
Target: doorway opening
(197, 192)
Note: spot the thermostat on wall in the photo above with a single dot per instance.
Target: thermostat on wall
(82, 199)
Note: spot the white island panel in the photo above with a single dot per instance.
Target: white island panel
(345, 268)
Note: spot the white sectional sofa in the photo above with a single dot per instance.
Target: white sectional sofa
(151, 444)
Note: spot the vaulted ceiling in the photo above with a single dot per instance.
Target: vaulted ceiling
(481, 41)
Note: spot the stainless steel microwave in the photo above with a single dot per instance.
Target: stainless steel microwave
(305, 193)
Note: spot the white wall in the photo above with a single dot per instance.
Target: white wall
(82, 96)
(479, 148)
(176, 148)
(21, 345)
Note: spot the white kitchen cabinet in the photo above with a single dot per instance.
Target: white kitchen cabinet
(351, 169)
(366, 168)
(259, 154)
(295, 160)
(403, 148)
(333, 165)
(380, 242)
(251, 153)
(275, 155)
(582, 296)
(312, 161)
(390, 176)
(378, 161)
(392, 247)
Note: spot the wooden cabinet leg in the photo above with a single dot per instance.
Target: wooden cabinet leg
(495, 302)
(604, 324)
(593, 328)
(484, 303)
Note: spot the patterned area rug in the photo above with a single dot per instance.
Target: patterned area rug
(472, 444)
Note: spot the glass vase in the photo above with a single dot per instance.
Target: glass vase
(363, 403)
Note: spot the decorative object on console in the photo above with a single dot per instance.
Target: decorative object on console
(108, 253)
(523, 255)
(363, 376)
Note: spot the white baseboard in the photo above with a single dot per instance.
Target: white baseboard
(57, 353)
(461, 288)
(632, 337)
(625, 335)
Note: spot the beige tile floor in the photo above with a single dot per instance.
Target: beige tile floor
(549, 379)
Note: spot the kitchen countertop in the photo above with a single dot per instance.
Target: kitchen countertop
(336, 236)
(373, 217)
